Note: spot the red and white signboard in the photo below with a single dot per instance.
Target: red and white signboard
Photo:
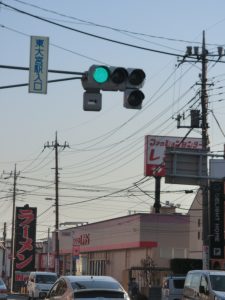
(155, 147)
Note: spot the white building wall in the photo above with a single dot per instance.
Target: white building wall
(115, 246)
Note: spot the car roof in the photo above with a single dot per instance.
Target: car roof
(74, 278)
(176, 277)
(208, 272)
(43, 273)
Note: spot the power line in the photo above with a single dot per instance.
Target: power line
(108, 27)
(87, 33)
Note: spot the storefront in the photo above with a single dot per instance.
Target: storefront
(113, 247)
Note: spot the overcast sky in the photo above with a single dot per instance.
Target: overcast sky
(102, 172)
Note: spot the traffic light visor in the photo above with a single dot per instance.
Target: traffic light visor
(135, 98)
(101, 74)
(136, 77)
(119, 75)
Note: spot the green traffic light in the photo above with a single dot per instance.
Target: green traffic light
(101, 74)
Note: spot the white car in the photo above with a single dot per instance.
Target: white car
(39, 283)
(87, 287)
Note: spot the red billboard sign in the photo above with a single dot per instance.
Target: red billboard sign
(155, 147)
(25, 238)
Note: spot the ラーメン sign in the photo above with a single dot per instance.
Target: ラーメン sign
(155, 148)
(38, 72)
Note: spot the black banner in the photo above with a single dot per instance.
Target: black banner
(25, 238)
(216, 220)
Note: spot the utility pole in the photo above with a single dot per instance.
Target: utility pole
(205, 141)
(48, 250)
(205, 144)
(55, 145)
(4, 252)
(196, 117)
(12, 267)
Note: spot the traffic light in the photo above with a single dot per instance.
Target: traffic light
(133, 97)
(109, 78)
(105, 78)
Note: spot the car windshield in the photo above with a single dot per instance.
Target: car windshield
(218, 282)
(2, 284)
(178, 283)
(46, 278)
(92, 284)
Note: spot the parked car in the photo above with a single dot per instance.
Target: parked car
(87, 287)
(172, 288)
(3, 290)
(204, 284)
(39, 283)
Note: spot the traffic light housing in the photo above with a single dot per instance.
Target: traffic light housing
(195, 118)
(92, 101)
(110, 78)
(133, 96)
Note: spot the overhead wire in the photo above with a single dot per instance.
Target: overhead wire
(109, 27)
(87, 33)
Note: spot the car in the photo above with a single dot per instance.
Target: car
(87, 287)
(39, 283)
(204, 284)
(3, 290)
(173, 287)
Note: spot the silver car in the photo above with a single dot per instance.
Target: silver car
(87, 287)
(173, 287)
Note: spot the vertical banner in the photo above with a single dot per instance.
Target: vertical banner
(38, 73)
(25, 238)
(216, 220)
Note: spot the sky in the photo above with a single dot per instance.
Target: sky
(101, 173)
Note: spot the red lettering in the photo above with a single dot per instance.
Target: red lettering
(24, 263)
(26, 245)
(26, 215)
(152, 155)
